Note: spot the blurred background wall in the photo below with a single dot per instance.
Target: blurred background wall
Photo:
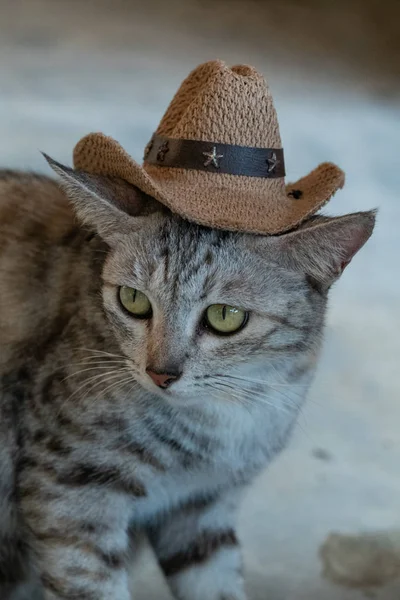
(68, 67)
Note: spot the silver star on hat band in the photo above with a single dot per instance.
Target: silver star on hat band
(212, 158)
(272, 162)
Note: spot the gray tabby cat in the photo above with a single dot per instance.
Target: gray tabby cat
(149, 369)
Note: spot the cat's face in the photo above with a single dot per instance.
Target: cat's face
(215, 314)
(171, 289)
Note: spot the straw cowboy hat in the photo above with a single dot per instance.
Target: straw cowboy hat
(216, 158)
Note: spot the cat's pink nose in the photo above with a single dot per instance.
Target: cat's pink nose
(162, 380)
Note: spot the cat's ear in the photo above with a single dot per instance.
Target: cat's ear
(324, 246)
(108, 205)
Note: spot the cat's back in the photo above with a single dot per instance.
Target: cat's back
(32, 208)
(35, 222)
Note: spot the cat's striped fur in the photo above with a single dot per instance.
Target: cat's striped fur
(92, 454)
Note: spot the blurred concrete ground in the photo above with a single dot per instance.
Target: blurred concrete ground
(71, 67)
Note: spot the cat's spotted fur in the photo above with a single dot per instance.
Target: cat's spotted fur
(92, 454)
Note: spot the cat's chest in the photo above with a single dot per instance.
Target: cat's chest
(203, 465)
(183, 484)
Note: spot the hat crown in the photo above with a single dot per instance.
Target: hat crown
(219, 104)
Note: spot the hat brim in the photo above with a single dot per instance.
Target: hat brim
(212, 202)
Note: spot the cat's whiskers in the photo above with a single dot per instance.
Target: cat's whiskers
(254, 397)
(93, 368)
(111, 366)
(232, 394)
(134, 382)
(261, 381)
(294, 394)
(273, 386)
(262, 393)
(230, 397)
(96, 350)
(98, 361)
(104, 378)
(115, 386)
(94, 378)
(261, 398)
(102, 358)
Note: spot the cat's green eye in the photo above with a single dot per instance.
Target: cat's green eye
(225, 319)
(135, 302)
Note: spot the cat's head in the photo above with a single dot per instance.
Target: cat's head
(200, 311)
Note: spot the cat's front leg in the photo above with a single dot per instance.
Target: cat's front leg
(199, 552)
(80, 539)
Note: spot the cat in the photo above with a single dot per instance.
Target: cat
(149, 369)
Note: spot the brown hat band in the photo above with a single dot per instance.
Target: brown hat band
(212, 157)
